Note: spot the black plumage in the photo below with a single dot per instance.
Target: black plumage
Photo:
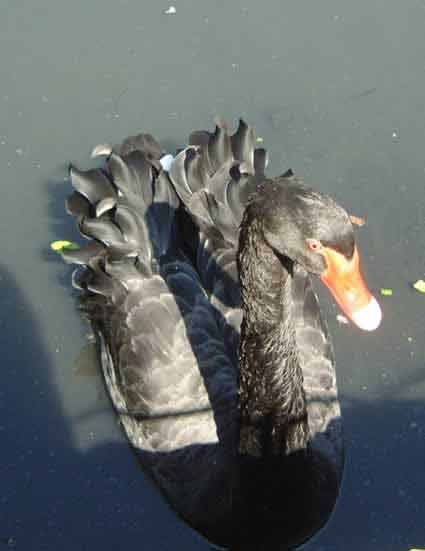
(238, 425)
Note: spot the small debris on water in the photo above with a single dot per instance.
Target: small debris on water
(395, 135)
(357, 220)
(386, 292)
(260, 139)
(171, 10)
(419, 285)
(342, 319)
(64, 245)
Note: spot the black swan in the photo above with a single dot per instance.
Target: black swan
(196, 283)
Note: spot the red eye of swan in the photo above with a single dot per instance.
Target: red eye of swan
(314, 245)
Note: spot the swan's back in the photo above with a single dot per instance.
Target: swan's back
(160, 287)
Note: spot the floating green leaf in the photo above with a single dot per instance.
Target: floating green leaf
(419, 285)
(63, 245)
(386, 292)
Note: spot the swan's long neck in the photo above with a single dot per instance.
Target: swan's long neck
(272, 400)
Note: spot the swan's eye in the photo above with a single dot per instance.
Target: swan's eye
(314, 245)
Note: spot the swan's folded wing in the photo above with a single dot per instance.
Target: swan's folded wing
(166, 365)
(163, 349)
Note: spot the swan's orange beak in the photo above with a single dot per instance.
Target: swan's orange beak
(345, 280)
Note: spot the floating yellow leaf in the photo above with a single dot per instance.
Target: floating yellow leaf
(419, 285)
(63, 245)
(386, 292)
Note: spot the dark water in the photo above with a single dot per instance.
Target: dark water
(336, 89)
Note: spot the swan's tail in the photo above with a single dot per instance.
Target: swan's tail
(127, 211)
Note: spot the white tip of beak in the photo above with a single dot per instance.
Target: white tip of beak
(369, 317)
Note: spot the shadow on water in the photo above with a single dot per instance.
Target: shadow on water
(53, 495)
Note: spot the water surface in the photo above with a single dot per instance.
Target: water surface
(336, 89)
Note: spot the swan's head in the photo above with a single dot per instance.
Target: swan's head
(312, 230)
